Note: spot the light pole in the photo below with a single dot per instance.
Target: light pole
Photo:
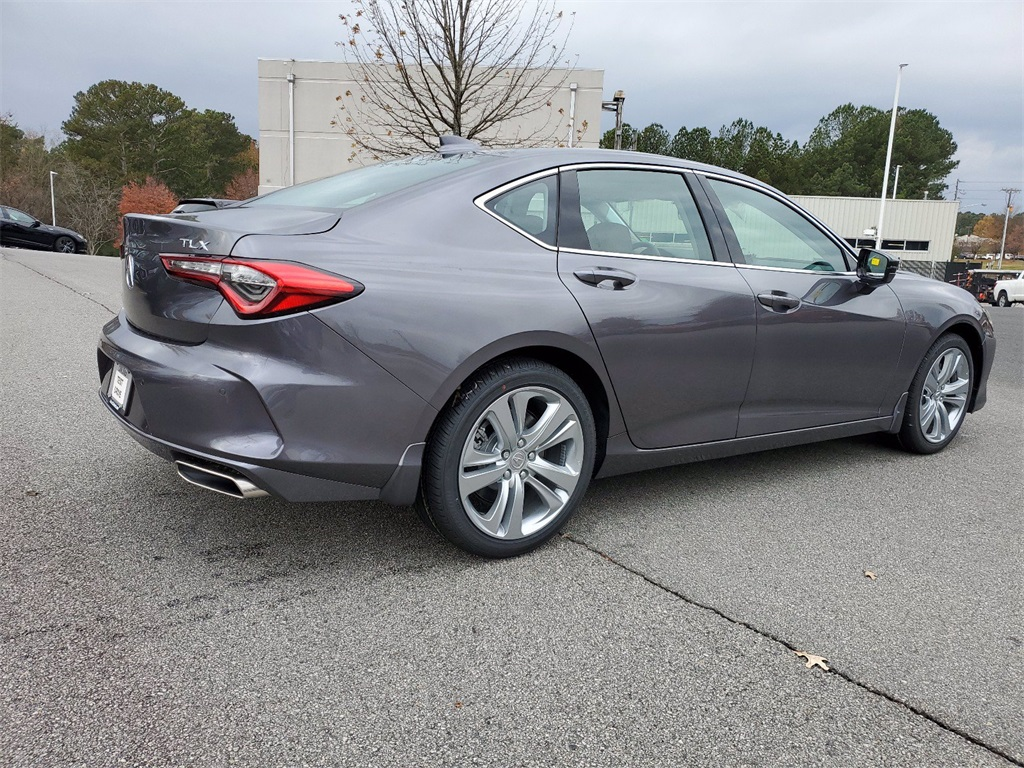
(615, 105)
(888, 159)
(896, 181)
(53, 205)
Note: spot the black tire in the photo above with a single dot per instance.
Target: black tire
(913, 435)
(64, 244)
(1003, 301)
(441, 502)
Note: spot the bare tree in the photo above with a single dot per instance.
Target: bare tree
(87, 204)
(431, 67)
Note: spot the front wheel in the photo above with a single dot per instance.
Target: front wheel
(939, 395)
(509, 461)
(1002, 301)
(64, 244)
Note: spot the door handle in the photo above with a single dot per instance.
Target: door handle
(602, 277)
(779, 301)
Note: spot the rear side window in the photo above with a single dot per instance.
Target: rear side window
(642, 213)
(353, 188)
(531, 208)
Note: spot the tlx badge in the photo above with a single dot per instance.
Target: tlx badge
(195, 245)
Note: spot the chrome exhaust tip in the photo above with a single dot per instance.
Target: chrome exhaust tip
(219, 480)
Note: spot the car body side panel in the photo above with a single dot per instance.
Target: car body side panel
(931, 308)
(678, 343)
(432, 312)
(828, 361)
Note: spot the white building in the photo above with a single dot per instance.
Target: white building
(913, 230)
(298, 100)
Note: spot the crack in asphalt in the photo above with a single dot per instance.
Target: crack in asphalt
(966, 736)
(85, 296)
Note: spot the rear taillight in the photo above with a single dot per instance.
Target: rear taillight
(263, 288)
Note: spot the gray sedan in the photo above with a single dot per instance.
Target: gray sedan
(483, 332)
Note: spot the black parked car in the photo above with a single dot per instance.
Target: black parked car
(486, 331)
(20, 230)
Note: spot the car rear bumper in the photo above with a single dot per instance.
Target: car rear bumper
(288, 405)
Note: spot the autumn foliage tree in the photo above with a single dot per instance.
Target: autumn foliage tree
(151, 196)
(246, 183)
(243, 186)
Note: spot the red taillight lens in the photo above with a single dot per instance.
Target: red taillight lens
(263, 288)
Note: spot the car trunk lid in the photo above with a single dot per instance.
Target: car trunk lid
(178, 310)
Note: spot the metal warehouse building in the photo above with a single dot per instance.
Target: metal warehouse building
(914, 230)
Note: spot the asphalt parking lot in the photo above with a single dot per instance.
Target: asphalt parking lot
(147, 622)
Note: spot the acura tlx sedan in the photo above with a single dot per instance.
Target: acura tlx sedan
(482, 332)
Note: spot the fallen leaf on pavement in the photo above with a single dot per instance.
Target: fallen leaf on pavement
(870, 575)
(812, 660)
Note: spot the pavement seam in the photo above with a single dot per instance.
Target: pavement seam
(775, 638)
(58, 282)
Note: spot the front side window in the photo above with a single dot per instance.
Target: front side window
(771, 234)
(647, 213)
(531, 208)
(22, 218)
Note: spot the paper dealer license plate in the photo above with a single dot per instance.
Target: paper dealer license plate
(120, 386)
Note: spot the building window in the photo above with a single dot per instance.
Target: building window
(890, 245)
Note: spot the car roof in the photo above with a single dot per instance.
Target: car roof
(561, 156)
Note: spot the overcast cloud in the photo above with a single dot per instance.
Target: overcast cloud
(779, 64)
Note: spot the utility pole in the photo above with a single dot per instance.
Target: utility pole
(615, 105)
(896, 181)
(1006, 220)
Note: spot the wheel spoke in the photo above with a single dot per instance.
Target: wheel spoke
(943, 426)
(927, 415)
(471, 482)
(955, 388)
(501, 417)
(552, 499)
(476, 458)
(504, 520)
(561, 477)
(931, 383)
(520, 402)
(556, 425)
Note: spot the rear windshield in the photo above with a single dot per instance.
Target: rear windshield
(347, 190)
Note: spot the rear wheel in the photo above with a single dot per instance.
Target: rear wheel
(1002, 301)
(64, 244)
(939, 394)
(508, 463)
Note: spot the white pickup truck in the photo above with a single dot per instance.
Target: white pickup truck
(1006, 292)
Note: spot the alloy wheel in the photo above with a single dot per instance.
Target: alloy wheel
(521, 462)
(944, 395)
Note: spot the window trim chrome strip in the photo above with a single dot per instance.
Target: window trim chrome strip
(480, 201)
(647, 257)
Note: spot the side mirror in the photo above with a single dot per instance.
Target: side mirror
(875, 267)
(35, 223)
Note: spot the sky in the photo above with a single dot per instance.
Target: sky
(783, 65)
